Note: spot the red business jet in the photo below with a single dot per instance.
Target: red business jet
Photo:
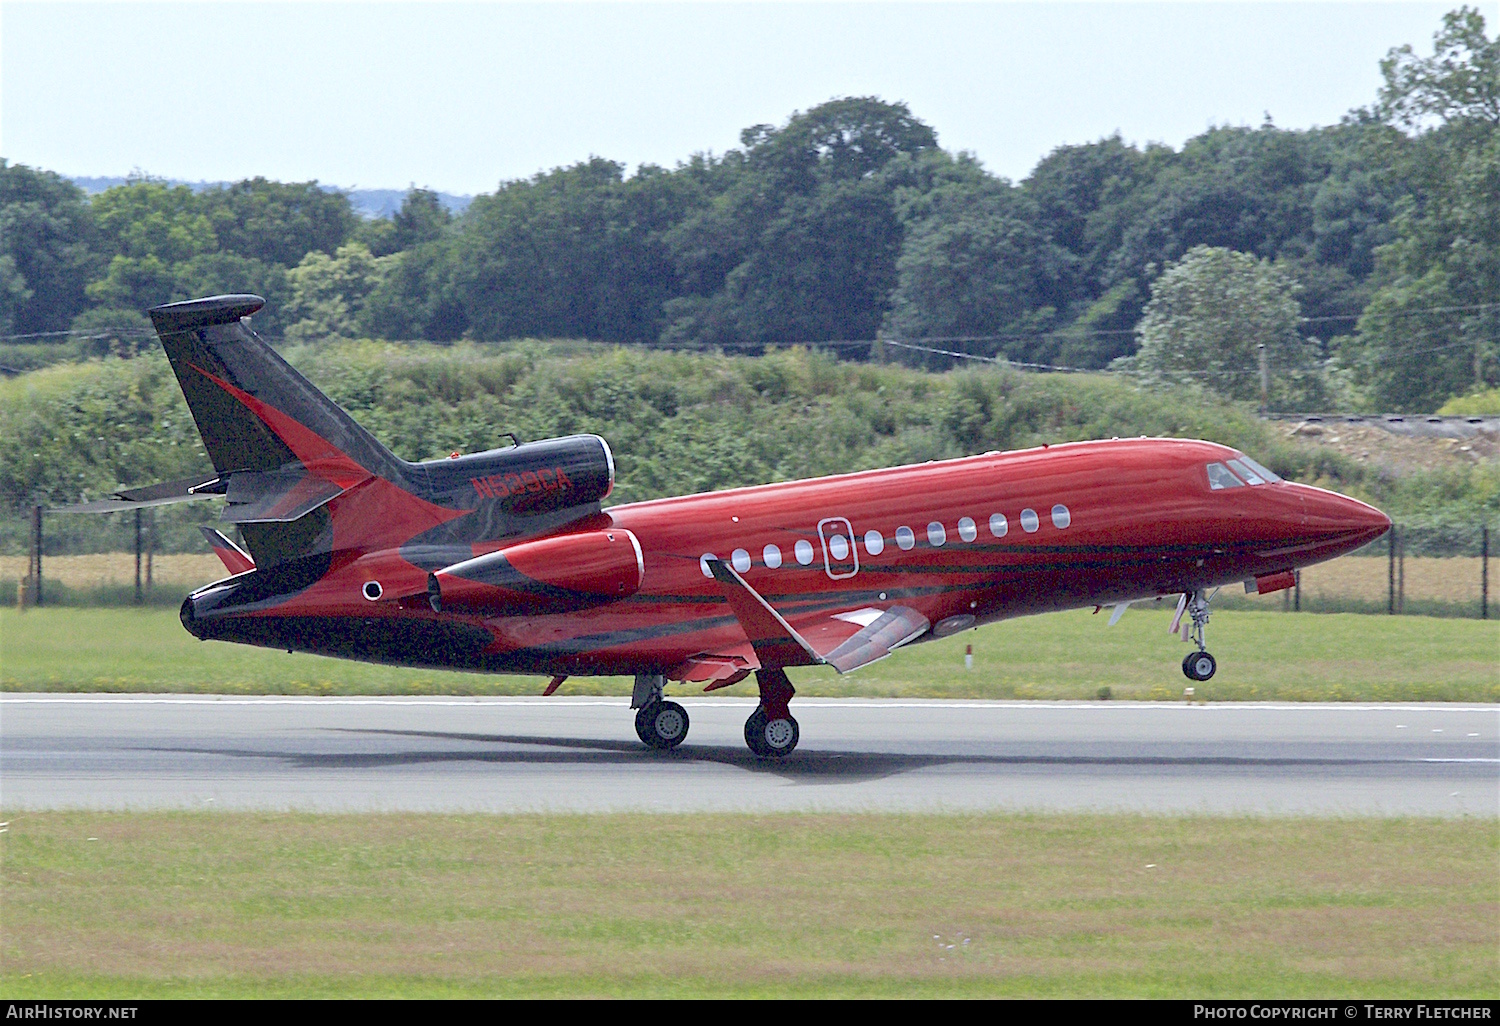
(505, 561)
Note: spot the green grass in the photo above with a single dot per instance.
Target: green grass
(195, 905)
(1262, 656)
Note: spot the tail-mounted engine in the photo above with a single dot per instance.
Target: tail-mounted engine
(547, 575)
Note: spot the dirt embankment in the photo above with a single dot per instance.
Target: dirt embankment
(1397, 454)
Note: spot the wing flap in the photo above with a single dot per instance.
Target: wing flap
(895, 627)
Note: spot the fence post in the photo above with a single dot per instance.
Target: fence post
(1391, 572)
(1484, 571)
(1401, 576)
(137, 557)
(36, 556)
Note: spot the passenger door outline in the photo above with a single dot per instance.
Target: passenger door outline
(838, 569)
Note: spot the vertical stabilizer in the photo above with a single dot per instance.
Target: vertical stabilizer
(253, 410)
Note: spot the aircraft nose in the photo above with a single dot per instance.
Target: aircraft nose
(1349, 520)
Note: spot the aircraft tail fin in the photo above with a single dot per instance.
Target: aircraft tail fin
(254, 411)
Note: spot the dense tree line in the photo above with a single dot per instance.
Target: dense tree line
(1377, 240)
(679, 422)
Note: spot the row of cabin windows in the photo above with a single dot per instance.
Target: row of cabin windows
(1238, 473)
(905, 538)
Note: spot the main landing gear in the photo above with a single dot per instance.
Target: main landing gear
(1199, 665)
(658, 722)
(771, 732)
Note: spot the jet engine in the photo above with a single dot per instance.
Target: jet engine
(562, 572)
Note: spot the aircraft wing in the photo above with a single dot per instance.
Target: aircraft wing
(845, 640)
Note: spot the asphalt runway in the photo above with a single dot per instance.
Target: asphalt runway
(581, 754)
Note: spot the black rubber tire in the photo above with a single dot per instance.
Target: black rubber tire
(1199, 666)
(662, 724)
(755, 732)
(759, 731)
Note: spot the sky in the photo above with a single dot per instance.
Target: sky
(460, 97)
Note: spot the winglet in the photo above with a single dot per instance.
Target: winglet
(774, 640)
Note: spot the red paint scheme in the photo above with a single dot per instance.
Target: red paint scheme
(548, 574)
(1142, 522)
(505, 562)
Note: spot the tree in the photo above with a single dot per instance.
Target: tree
(46, 254)
(1460, 82)
(422, 218)
(798, 237)
(279, 223)
(1431, 328)
(329, 293)
(1209, 315)
(973, 263)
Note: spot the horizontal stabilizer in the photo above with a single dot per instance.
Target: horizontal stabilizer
(188, 489)
(235, 559)
(895, 627)
(277, 496)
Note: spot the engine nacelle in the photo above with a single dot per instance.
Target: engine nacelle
(548, 575)
(525, 480)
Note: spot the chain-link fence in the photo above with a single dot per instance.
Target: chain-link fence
(1415, 569)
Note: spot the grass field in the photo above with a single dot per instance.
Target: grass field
(193, 904)
(1262, 656)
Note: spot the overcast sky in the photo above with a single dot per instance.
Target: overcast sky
(459, 97)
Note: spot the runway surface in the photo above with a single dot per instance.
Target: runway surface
(581, 754)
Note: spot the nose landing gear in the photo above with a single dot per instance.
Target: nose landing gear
(658, 723)
(1199, 665)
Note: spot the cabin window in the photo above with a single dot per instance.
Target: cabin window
(772, 556)
(838, 547)
(804, 551)
(1220, 477)
(998, 525)
(703, 564)
(936, 536)
(874, 543)
(741, 560)
(1061, 518)
(1269, 475)
(1245, 474)
(966, 529)
(1029, 521)
(905, 537)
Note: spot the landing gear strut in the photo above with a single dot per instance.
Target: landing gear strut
(659, 723)
(771, 732)
(1199, 665)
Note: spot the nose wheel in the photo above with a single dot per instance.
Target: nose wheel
(1199, 666)
(659, 723)
(662, 724)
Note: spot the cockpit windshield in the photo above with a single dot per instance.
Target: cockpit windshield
(1245, 474)
(1241, 470)
(1220, 477)
(1262, 471)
